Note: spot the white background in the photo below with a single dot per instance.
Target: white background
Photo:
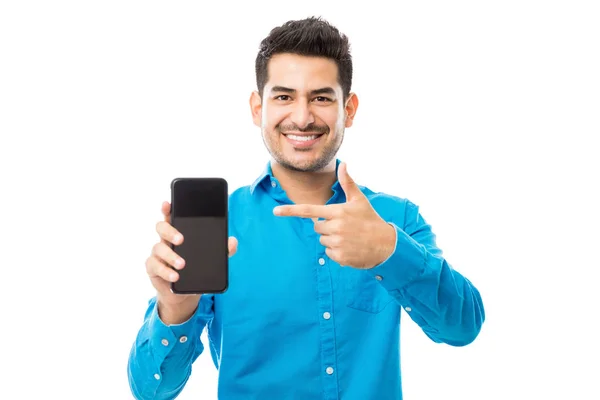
(486, 114)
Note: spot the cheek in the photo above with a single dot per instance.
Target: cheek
(272, 118)
(333, 118)
(341, 117)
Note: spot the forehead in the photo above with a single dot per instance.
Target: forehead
(302, 72)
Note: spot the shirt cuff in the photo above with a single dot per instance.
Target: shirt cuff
(165, 339)
(406, 263)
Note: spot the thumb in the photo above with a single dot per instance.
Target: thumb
(233, 244)
(348, 185)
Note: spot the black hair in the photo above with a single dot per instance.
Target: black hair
(312, 36)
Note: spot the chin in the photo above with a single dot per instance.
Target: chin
(304, 162)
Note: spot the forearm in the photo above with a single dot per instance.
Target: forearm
(445, 304)
(162, 355)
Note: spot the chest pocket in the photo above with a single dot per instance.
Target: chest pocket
(363, 292)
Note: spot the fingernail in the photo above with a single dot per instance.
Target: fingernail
(177, 238)
(179, 263)
(173, 277)
(277, 211)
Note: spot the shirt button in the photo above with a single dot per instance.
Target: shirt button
(378, 277)
(329, 370)
(156, 376)
(408, 309)
(326, 315)
(322, 261)
(183, 339)
(274, 184)
(165, 342)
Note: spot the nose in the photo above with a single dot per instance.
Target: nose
(302, 115)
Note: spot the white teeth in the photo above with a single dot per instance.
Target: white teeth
(303, 138)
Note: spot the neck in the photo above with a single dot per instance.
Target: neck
(306, 187)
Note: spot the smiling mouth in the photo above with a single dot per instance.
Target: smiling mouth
(303, 138)
(303, 141)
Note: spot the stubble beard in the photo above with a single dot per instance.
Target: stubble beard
(328, 154)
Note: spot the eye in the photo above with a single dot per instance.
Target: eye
(283, 97)
(322, 99)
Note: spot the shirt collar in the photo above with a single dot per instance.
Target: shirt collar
(267, 174)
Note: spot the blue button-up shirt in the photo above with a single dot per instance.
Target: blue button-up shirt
(296, 325)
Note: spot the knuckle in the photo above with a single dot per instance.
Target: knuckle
(331, 253)
(157, 249)
(163, 272)
(163, 228)
(318, 227)
(151, 266)
(338, 241)
(338, 226)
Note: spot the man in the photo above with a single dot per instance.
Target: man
(323, 267)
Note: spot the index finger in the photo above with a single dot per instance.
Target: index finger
(306, 211)
(168, 233)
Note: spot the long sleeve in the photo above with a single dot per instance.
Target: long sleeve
(161, 357)
(444, 303)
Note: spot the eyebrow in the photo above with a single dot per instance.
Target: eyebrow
(325, 90)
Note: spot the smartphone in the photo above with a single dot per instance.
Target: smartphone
(199, 211)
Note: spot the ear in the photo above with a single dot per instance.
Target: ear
(256, 108)
(351, 107)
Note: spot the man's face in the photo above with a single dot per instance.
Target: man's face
(302, 114)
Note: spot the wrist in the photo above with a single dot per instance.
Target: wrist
(178, 313)
(387, 241)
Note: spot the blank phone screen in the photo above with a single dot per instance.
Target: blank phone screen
(199, 213)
